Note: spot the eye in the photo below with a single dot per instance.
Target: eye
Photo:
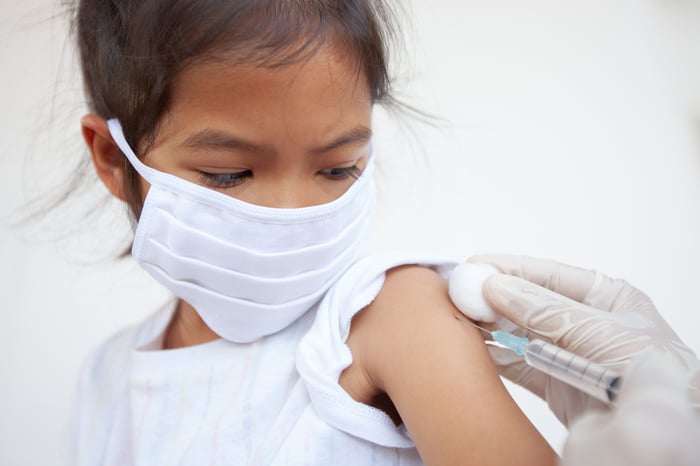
(224, 180)
(342, 173)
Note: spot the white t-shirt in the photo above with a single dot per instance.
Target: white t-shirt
(275, 401)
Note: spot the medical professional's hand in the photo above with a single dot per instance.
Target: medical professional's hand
(651, 424)
(603, 319)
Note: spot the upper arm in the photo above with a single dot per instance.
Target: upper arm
(439, 376)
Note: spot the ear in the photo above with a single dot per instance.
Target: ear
(106, 156)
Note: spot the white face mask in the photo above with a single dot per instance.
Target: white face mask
(248, 270)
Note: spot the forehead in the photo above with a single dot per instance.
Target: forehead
(306, 100)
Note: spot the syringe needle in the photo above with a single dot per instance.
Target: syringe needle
(508, 340)
(469, 322)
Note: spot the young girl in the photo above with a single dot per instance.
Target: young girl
(239, 133)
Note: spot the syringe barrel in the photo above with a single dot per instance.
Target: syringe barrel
(580, 373)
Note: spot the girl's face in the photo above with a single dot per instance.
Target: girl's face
(293, 136)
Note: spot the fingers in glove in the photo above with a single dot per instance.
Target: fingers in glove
(573, 282)
(513, 367)
(535, 308)
(615, 295)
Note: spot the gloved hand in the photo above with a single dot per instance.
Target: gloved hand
(603, 319)
(651, 424)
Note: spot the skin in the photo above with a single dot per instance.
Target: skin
(411, 358)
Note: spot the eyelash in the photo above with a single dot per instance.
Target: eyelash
(342, 173)
(224, 180)
(229, 180)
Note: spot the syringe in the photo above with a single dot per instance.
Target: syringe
(574, 370)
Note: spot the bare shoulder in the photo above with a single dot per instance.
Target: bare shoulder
(413, 292)
(410, 294)
(413, 359)
(413, 299)
(409, 315)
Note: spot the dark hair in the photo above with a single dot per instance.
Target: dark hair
(132, 50)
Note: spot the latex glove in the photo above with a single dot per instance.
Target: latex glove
(603, 319)
(651, 424)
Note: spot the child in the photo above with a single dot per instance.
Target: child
(238, 132)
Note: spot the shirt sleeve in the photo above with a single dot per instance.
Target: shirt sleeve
(323, 353)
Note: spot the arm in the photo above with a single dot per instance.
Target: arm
(438, 375)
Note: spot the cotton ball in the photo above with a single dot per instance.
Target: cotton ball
(465, 291)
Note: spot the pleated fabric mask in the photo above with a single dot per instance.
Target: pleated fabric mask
(248, 270)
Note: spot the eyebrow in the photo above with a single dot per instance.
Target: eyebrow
(214, 139)
(361, 134)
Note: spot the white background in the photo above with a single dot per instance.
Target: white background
(570, 131)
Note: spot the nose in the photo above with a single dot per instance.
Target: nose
(287, 193)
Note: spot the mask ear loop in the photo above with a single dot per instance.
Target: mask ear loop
(115, 129)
